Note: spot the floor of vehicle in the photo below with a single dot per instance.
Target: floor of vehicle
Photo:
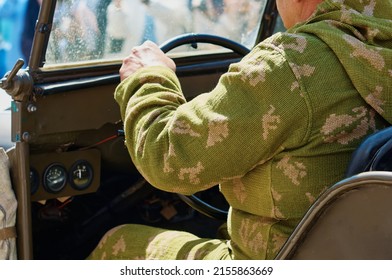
(71, 227)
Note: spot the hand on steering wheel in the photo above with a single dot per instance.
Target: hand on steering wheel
(193, 39)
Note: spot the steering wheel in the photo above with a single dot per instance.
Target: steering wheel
(193, 39)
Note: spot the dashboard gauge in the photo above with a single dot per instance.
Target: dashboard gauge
(55, 178)
(81, 175)
(34, 180)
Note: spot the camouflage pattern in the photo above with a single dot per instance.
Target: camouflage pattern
(8, 206)
(278, 129)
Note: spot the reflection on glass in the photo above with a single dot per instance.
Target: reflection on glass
(85, 30)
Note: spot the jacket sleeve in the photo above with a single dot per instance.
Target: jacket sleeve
(256, 111)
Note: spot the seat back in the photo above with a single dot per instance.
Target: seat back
(351, 220)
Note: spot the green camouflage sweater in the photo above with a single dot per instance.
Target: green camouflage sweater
(279, 127)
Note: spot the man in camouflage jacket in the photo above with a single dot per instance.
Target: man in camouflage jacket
(277, 130)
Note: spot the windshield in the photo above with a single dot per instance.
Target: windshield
(85, 30)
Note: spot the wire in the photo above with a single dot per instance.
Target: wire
(100, 142)
(69, 200)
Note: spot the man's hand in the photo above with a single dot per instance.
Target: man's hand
(147, 54)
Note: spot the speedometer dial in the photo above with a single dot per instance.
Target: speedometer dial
(55, 178)
(34, 180)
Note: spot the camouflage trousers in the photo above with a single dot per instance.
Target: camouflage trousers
(140, 242)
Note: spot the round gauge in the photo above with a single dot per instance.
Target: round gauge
(55, 178)
(34, 181)
(81, 175)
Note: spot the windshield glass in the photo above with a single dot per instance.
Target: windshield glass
(85, 30)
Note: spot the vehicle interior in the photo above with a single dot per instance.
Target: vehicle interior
(72, 174)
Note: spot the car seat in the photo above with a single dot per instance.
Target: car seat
(352, 219)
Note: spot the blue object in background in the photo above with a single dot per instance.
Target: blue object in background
(11, 24)
(3, 64)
